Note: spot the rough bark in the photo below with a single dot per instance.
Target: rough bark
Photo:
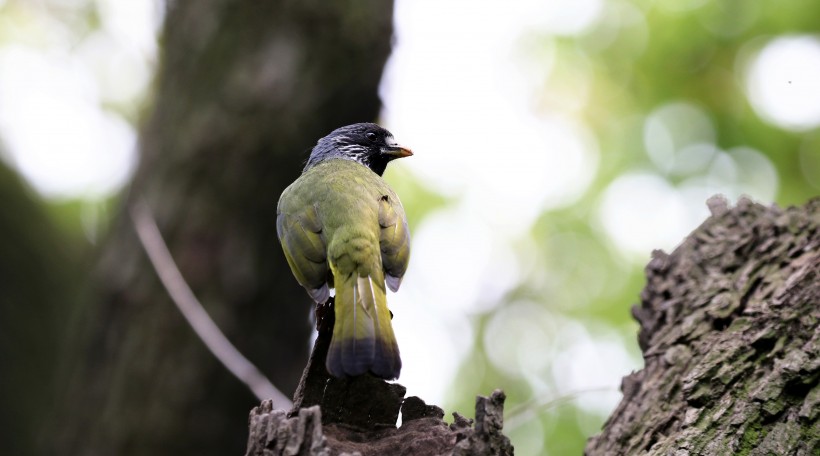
(422, 433)
(357, 416)
(244, 89)
(730, 331)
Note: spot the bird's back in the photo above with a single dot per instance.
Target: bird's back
(345, 195)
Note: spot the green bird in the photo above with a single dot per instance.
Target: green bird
(341, 226)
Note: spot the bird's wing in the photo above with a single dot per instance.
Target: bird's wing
(301, 237)
(394, 240)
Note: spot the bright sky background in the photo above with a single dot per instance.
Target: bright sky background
(53, 123)
(458, 91)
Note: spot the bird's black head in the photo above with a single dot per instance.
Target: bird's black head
(366, 143)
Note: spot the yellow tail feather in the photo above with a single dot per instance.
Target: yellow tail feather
(363, 338)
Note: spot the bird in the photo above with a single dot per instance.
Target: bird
(342, 227)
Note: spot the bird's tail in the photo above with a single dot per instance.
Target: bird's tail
(363, 338)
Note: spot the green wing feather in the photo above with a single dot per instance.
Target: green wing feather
(394, 240)
(305, 250)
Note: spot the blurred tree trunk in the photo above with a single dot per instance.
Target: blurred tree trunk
(38, 285)
(244, 89)
(730, 331)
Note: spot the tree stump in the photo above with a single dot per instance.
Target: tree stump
(357, 416)
(422, 432)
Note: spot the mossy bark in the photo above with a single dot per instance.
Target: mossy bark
(243, 91)
(730, 331)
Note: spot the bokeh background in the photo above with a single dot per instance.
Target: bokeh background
(557, 143)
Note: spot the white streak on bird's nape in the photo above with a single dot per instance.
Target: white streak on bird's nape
(352, 149)
(354, 152)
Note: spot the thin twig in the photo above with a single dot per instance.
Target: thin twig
(519, 414)
(195, 314)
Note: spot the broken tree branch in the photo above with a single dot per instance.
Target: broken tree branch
(187, 303)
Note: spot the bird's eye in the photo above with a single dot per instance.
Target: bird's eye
(371, 136)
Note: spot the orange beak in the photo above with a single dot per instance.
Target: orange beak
(397, 151)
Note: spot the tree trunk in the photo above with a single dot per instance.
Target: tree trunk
(38, 284)
(245, 88)
(730, 331)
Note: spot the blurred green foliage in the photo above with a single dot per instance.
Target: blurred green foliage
(640, 56)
